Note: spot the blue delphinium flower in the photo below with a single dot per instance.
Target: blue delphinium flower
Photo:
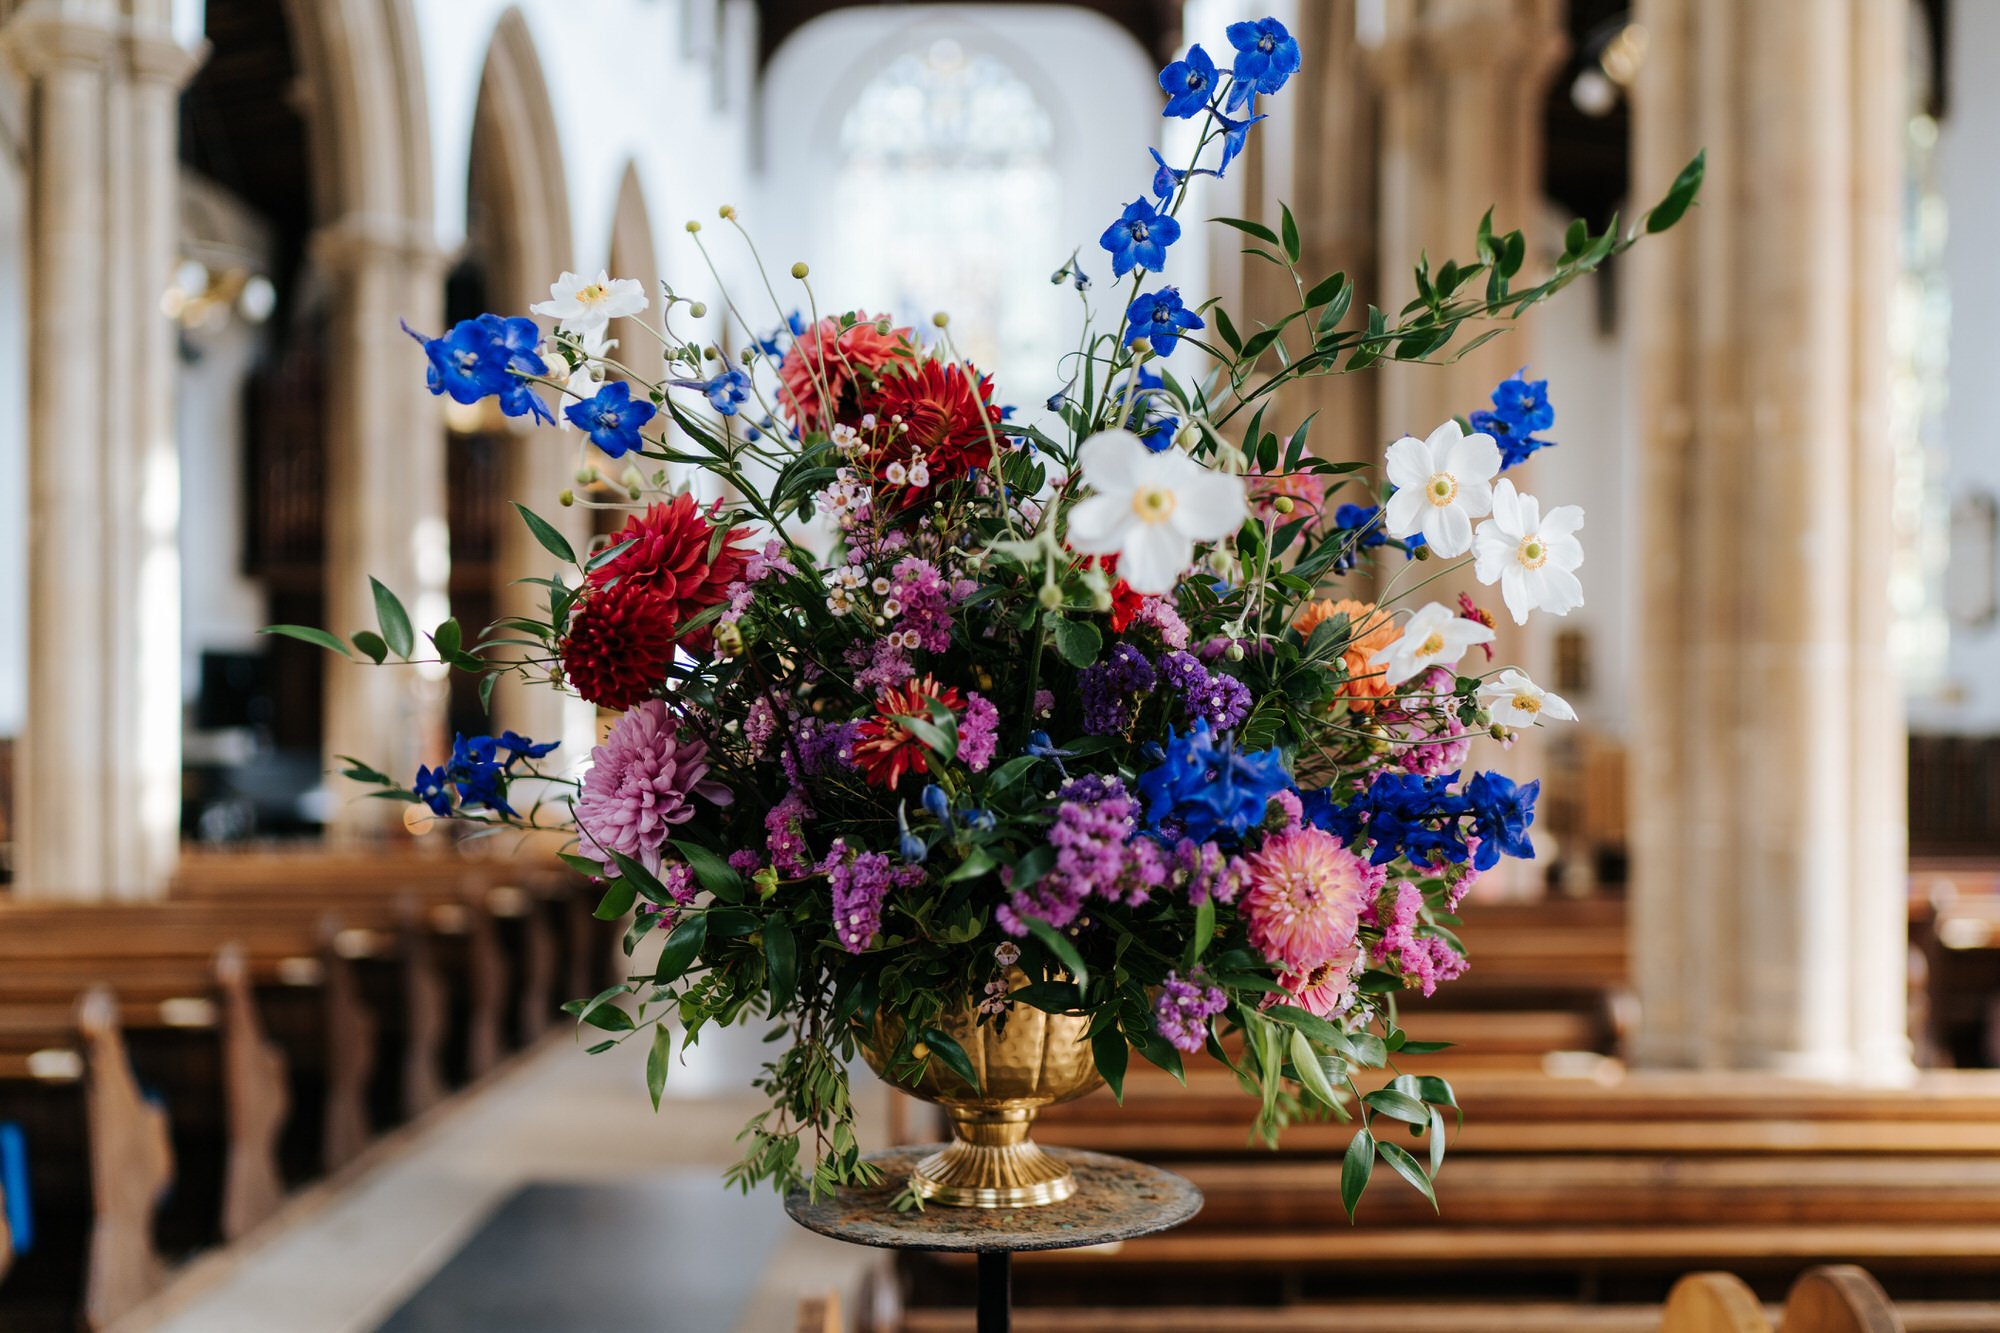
(1501, 811)
(1266, 57)
(1205, 788)
(1160, 318)
(1520, 409)
(521, 747)
(611, 418)
(1235, 133)
(477, 772)
(486, 357)
(432, 789)
(1364, 533)
(1189, 83)
(1158, 434)
(727, 391)
(1139, 238)
(1165, 178)
(937, 802)
(1402, 814)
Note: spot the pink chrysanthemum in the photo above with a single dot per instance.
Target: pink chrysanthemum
(642, 782)
(1306, 896)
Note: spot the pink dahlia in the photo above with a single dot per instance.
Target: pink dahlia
(1307, 893)
(1323, 989)
(829, 367)
(642, 782)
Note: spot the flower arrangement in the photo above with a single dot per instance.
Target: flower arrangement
(914, 699)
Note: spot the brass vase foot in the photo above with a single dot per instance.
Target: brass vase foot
(992, 1163)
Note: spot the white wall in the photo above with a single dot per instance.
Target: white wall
(1970, 180)
(13, 449)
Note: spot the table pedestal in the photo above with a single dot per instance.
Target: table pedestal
(1115, 1200)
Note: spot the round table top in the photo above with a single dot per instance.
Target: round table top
(1115, 1199)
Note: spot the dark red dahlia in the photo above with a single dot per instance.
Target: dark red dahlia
(670, 554)
(884, 750)
(949, 418)
(620, 642)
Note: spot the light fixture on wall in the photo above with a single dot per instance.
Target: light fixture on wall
(1612, 54)
(203, 297)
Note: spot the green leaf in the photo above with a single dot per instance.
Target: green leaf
(598, 1010)
(1051, 997)
(1406, 1166)
(394, 620)
(1058, 944)
(1325, 289)
(1249, 228)
(1291, 233)
(716, 875)
(1112, 1055)
(642, 880)
(657, 1060)
(977, 862)
(1437, 1142)
(1077, 642)
(680, 950)
(1686, 185)
(1306, 1061)
(582, 865)
(1204, 931)
(448, 637)
(1397, 1106)
(370, 643)
(1260, 343)
(319, 638)
(1227, 328)
(619, 895)
(781, 962)
(361, 772)
(1162, 1053)
(953, 1055)
(545, 532)
(1355, 1169)
(609, 553)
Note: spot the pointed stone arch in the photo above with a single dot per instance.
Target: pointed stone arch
(635, 254)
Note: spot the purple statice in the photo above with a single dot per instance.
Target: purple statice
(1093, 824)
(1110, 690)
(770, 562)
(1159, 613)
(1044, 702)
(1184, 1009)
(882, 664)
(678, 880)
(745, 861)
(923, 601)
(861, 882)
(1207, 871)
(761, 723)
(1222, 699)
(817, 749)
(978, 732)
(785, 837)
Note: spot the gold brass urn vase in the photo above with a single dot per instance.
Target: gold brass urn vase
(1030, 1060)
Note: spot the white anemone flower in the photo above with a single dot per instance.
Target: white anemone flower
(1512, 700)
(582, 306)
(1434, 636)
(1149, 509)
(1532, 558)
(1442, 483)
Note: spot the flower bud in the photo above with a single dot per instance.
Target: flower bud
(940, 319)
(726, 211)
(1188, 436)
(1050, 597)
(1234, 652)
(585, 476)
(728, 640)
(697, 308)
(799, 270)
(1423, 552)
(693, 226)
(1499, 733)
(1101, 600)
(566, 497)
(1283, 504)
(632, 479)
(984, 677)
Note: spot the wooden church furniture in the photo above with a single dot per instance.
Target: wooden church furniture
(99, 1161)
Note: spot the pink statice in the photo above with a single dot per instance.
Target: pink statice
(678, 880)
(1307, 892)
(761, 723)
(924, 598)
(1207, 871)
(978, 732)
(642, 782)
(1445, 742)
(770, 562)
(1159, 613)
(1095, 857)
(785, 837)
(882, 664)
(861, 882)
(1425, 960)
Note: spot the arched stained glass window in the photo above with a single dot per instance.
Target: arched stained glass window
(949, 199)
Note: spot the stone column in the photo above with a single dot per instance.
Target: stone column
(385, 503)
(100, 754)
(1768, 899)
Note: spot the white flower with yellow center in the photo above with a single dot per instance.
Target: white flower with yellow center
(1442, 483)
(1512, 700)
(1435, 636)
(1149, 509)
(1532, 558)
(582, 306)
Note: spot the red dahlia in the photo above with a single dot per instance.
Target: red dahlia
(619, 644)
(670, 555)
(841, 362)
(885, 751)
(949, 417)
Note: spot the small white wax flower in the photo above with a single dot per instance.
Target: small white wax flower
(1434, 636)
(1149, 509)
(1532, 558)
(582, 306)
(896, 474)
(1512, 700)
(1442, 483)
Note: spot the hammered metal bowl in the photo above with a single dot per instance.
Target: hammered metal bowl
(1031, 1060)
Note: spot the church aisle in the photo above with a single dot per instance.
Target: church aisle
(559, 1159)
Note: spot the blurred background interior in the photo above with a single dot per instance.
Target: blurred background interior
(1769, 851)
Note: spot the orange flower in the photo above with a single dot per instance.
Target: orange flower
(1369, 631)
(844, 362)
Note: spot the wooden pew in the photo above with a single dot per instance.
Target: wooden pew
(99, 1159)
